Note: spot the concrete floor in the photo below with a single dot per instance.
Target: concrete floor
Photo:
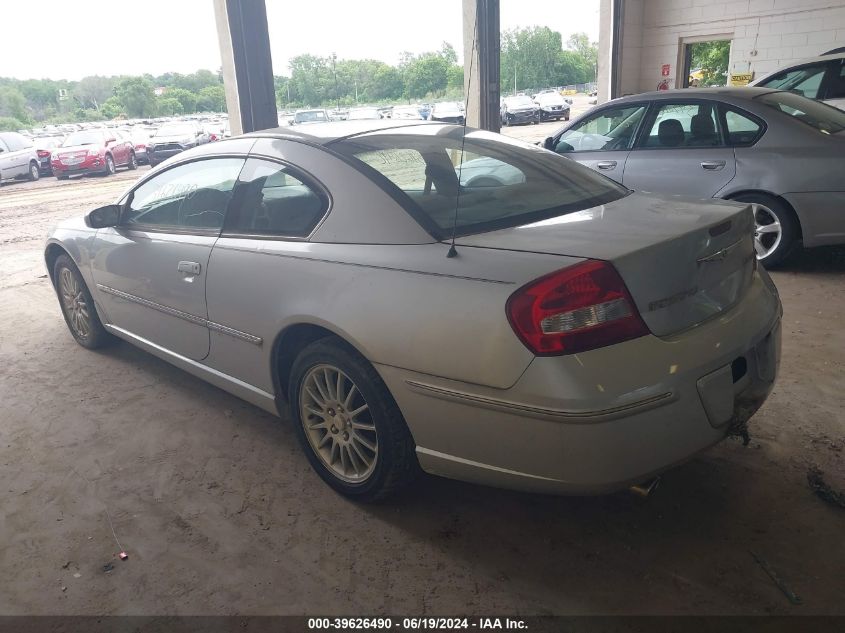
(221, 513)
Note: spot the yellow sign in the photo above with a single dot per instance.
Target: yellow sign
(741, 79)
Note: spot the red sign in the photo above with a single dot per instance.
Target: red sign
(664, 70)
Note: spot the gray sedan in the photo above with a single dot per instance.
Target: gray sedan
(779, 151)
(414, 297)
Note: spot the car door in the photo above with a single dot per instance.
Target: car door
(681, 150)
(150, 270)
(117, 147)
(602, 140)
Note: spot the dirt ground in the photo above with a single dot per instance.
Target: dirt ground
(221, 513)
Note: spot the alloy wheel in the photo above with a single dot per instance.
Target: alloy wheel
(75, 304)
(338, 423)
(767, 230)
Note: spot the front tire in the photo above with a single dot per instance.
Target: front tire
(349, 424)
(34, 172)
(775, 228)
(77, 305)
(110, 169)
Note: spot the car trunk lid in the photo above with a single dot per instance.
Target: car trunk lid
(684, 261)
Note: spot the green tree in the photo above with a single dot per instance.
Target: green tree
(588, 51)
(137, 96)
(13, 104)
(711, 58)
(169, 106)
(211, 99)
(90, 92)
(112, 108)
(11, 124)
(426, 74)
(185, 97)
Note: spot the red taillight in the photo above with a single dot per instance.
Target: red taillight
(574, 310)
(43, 153)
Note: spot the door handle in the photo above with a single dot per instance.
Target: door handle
(606, 164)
(713, 165)
(189, 268)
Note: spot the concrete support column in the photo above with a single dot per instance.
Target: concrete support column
(481, 63)
(247, 64)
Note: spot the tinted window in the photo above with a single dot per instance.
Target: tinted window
(678, 125)
(836, 85)
(273, 201)
(497, 182)
(612, 129)
(195, 195)
(741, 129)
(823, 117)
(805, 81)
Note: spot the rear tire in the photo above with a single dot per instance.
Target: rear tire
(357, 441)
(77, 305)
(133, 162)
(110, 169)
(776, 231)
(34, 172)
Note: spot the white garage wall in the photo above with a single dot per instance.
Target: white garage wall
(765, 34)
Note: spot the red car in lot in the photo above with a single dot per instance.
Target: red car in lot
(92, 152)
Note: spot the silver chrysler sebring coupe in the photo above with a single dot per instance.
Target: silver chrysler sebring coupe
(414, 295)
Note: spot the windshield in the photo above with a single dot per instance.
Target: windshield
(363, 113)
(84, 138)
(175, 130)
(523, 100)
(496, 182)
(552, 98)
(824, 118)
(448, 106)
(310, 116)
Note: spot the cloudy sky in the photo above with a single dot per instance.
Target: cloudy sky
(58, 39)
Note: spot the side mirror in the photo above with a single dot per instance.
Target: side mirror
(104, 217)
(549, 143)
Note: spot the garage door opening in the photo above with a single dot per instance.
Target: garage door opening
(706, 63)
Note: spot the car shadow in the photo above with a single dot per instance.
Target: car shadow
(824, 259)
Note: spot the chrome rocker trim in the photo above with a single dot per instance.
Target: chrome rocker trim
(191, 318)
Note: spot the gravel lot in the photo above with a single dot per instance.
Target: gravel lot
(221, 514)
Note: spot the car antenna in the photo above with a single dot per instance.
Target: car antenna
(452, 251)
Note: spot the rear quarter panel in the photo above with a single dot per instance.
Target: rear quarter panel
(407, 306)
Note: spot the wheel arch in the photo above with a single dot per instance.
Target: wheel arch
(51, 254)
(287, 345)
(762, 192)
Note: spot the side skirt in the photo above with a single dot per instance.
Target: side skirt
(236, 387)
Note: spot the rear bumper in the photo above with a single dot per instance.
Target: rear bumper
(822, 216)
(159, 156)
(602, 420)
(546, 115)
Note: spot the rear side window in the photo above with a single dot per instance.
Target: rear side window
(272, 200)
(806, 81)
(493, 181)
(836, 84)
(742, 130)
(191, 196)
(16, 141)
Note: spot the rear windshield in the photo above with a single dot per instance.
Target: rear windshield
(495, 183)
(824, 118)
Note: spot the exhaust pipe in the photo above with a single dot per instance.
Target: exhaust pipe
(646, 488)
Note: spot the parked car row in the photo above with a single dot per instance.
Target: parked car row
(446, 111)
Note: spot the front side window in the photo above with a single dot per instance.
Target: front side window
(805, 81)
(272, 200)
(612, 129)
(191, 196)
(826, 119)
(678, 125)
(494, 182)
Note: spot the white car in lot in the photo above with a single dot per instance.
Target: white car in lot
(18, 157)
(821, 78)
